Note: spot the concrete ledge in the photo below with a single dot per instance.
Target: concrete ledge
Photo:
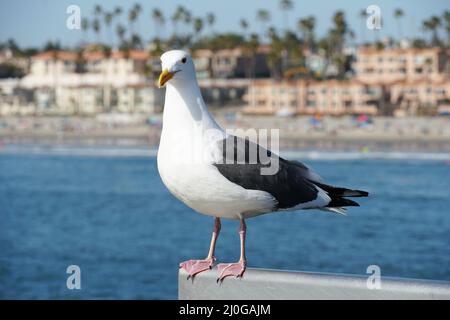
(265, 284)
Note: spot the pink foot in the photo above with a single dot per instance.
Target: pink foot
(236, 269)
(194, 267)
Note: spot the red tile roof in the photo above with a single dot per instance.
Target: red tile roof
(61, 55)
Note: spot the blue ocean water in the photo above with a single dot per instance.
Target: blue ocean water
(113, 218)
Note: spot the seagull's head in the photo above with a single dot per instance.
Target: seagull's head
(177, 66)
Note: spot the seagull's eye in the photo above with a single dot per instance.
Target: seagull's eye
(184, 60)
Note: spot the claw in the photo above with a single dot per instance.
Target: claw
(194, 267)
(231, 269)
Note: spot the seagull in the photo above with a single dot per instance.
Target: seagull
(211, 171)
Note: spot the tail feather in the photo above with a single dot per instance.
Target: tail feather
(342, 202)
(341, 192)
(338, 194)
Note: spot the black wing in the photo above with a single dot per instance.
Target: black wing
(290, 185)
(240, 165)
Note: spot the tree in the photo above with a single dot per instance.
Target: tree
(117, 11)
(446, 19)
(211, 20)
(159, 21)
(85, 28)
(398, 14)
(198, 26)
(326, 50)
(274, 57)
(137, 8)
(187, 18)
(132, 16)
(136, 41)
(98, 10)
(292, 54)
(52, 46)
(96, 28)
(108, 17)
(120, 31)
(336, 40)
(432, 25)
(263, 16)
(250, 51)
(244, 26)
(363, 17)
(176, 18)
(286, 6)
(306, 27)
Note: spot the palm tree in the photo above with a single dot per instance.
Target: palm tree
(187, 18)
(120, 31)
(159, 20)
(326, 49)
(446, 18)
(198, 27)
(398, 14)
(108, 22)
(117, 11)
(98, 10)
(85, 28)
(176, 18)
(211, 20)
(96, 28)
(132, 16)
(293, 56)
(432, 25)
(263, 16)
(286, 6)
(363, 17)
(275, 54)
(137, 8)
(136, 41)
(337, 40)
(250, 51)
(244, 26)
(306, 27)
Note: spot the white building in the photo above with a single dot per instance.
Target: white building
(66, 82)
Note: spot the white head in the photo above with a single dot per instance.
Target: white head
(177, 66)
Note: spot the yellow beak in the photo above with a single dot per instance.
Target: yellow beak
(164, 77)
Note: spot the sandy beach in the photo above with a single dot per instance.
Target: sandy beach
(301, 132)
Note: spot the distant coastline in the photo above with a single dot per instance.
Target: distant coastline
(296, 133)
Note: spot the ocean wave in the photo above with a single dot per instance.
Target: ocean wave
(79, 151)
(355, 155)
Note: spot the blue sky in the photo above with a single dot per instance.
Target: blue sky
(33, 22)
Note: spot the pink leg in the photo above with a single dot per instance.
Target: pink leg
(194, 267)
(235, 269)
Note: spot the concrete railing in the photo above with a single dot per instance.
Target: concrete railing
(286, 285)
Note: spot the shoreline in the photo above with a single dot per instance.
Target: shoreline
(316, 141)
(151, 152)
(300, 133)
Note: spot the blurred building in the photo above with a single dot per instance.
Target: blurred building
(311, 97)
(231, 63)
(66, 82)
(385, 66)
(398, 81)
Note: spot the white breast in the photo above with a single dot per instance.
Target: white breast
(201, 186)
